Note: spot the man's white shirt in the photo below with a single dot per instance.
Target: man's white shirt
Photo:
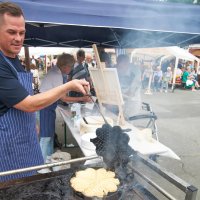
(52, 79)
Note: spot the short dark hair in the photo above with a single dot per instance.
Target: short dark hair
(80, 53)
(11, 9)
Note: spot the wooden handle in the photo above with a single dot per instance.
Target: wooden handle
(87, 90)
(94, 46)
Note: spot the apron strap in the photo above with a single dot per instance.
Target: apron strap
(9, 62)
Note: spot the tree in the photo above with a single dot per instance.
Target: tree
(184, 1)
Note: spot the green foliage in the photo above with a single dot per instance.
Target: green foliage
(185, 1)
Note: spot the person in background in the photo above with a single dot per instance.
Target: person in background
(54, 78)
(18, 138)
(191, 65)
(167, 77)
(80, 71)
(48, 66)
(53, 62)
(89, 61)
(157, 78)
(179, 73)
(40, 64)
(194, 73)
(94, 63)
(33, 60)
(146, 76)
(187, 79)
(105, 57)
(36, 79)
(130, 81)
(180, 65)
(193, 77)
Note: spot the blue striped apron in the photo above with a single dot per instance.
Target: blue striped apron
(19, 145)
(47, 121)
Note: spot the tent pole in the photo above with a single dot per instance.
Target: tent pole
(27, 58)
(45, 63)
(148, 91)
(174, 74)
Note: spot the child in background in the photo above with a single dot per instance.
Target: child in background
(167, 77)
(157, 79)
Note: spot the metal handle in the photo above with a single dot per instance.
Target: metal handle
(88, 93)
(16, 171)
(99, 110)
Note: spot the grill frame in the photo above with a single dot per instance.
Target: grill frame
(41, 179)
(189, 190)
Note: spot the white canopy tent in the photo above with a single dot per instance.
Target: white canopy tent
(175, 51)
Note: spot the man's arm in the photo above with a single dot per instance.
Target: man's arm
(42, 100)
(75, 99)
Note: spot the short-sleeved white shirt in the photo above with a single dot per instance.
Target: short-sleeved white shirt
(52, 79)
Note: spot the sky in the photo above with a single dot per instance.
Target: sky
(40, 51)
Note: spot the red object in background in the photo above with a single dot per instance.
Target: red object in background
(178, 80)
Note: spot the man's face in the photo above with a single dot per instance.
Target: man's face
(67, 70)
(80, 59)
(88, 59)
(12, 33)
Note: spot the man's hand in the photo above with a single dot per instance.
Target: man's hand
(86, 99)
(79, 86)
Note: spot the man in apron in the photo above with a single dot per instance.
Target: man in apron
(18, 139)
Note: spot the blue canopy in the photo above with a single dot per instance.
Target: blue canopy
(110, 23)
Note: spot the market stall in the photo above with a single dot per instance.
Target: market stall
(175, 51)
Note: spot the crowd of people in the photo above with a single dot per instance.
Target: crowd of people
(158, 80)
(189, 78)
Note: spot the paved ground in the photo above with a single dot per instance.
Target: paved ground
(179, 128)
